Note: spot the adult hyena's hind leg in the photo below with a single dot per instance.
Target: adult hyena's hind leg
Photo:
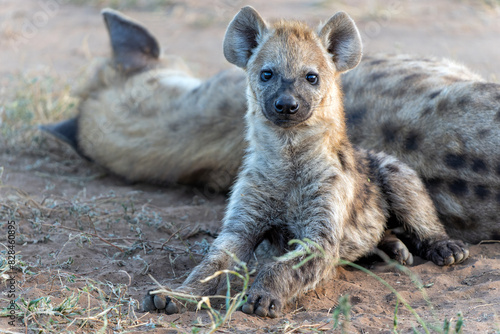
(411, 208)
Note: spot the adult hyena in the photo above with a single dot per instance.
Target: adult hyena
(301, 178)
(443, 121)
(146, 118)
(135, 108)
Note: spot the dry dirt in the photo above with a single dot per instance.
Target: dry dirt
(76, 225)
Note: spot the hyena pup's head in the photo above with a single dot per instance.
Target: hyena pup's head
(292, 70)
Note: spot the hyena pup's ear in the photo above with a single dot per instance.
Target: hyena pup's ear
(134, 47)
(243, 35)
(342, 40)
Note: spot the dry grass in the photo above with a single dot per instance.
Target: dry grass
(51, 296)
(32, 99)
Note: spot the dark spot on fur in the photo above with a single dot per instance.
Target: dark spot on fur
(174, 127)
(413, 78)
(412, 141)
(483, 133)
(296, 276)
(427, 111)
(459, 187)
(331, 179)
(443, 105)
(434, 94)
(420, 89)
(390, 131)
(463, 102)
(225, 107)
(497, 116)
(377, 75)
(495, 236)
(325, 237)
(498, 197)
(454, 161)
(392, 168)
(367, 192)
(355, 116)
(498, 170)
(354, 216)
(482, 192)
(479, 166)
(433, 184)
(342, 159)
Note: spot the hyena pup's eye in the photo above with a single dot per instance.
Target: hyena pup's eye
(266, 75)
(312, 78)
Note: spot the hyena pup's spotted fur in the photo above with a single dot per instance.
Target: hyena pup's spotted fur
(301, 178)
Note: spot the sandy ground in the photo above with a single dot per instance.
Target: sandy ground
(74, 221)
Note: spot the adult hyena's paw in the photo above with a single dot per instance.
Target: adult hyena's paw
(396, 249)
(263, 304)
(159, 303)
(446, 252)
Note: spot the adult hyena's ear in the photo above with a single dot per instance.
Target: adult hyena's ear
(134, 47)
(243, 35)
(342, 40)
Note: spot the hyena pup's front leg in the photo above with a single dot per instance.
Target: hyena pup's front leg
(413, 210)
(219, 258)
(279, 281)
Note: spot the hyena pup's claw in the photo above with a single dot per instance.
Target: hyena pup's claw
(159, 303)
(447, 252)
(263, 305)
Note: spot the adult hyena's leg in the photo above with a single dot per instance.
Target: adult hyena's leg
(413, 209)
(218, 258)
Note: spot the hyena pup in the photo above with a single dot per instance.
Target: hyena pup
(301, 178)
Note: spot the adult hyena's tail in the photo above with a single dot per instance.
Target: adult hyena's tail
(67, 131)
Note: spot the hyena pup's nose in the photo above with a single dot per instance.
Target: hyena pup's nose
(286, 105)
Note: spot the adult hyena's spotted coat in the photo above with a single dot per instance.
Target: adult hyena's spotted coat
(441, 119)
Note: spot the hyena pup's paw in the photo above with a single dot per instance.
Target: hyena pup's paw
(396, 249)
(446, 252)
(262, 303)
(159, 303)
